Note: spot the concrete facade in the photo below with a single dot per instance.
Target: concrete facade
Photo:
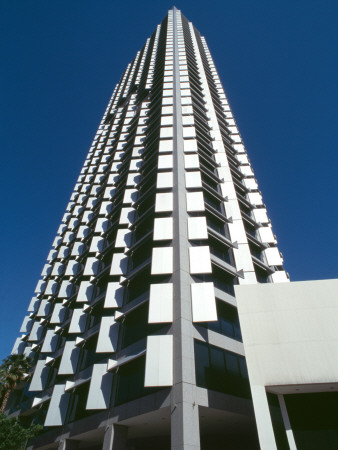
(133, 328)
(290, 336)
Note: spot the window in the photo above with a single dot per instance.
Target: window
(136, 327)
(227, 323)
(221, 370)
(130, 381)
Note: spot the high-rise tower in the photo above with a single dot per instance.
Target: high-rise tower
(134, 329)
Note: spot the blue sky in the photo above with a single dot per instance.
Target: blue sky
(60, 60)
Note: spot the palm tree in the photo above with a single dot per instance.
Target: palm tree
(13, 370)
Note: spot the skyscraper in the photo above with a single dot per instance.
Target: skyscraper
(134, 329)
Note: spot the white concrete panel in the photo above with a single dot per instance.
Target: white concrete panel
(164, 180)
(109, 192)
(250, 183)
(58, 406)
(92, 266)
(102, 225)
(266, 235)
(255, 198)
(187, 110)
(123, 238)
(273, 256)
(87, 216)
(40, 287)
(106, 207)
(36, 333)
(86, 291)
(195, 201)
(166, 132)
(135, 165)
(91, 202)
(193, 180)
(159, 361)
(188, 120)
(243, 158)
(47, 268)
(191, 161)
(59, 313)
(127, 216)
(50, 342)
(290, 332)
(197, 228)
(51, 255)
(100, 387)
(203, 302)
(190, 145)
(130, 196)
(108, 335)
(112, 178)
(166, 120)
(237, 232)
(242, 256)
(97, 244)
(69, 236)
(69, 360)
(57, 241)
(166, 146)
(26, 325)
(72, 267)
(40, 376)
(51, 288)
(260, 215)
(167, 101)
(114, 295)
(83, 231)
(78, 322)
(133, 179)
(119, 265)
(280, 277)
(246, 170)
(222, 159)
(78, 248)
(18, 347)
(228, 190)
(164, 202)
(199, 258)
(165, 162)
(161, 303)
(44, 308)
(65, 289)
(34, 304)
(189, 132)
(163, 228)
(162, 260)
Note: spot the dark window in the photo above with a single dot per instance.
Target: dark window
(78, 403)
(136, 327)
(89, 355)
(221, 370)
(130, 382)
(227, 323)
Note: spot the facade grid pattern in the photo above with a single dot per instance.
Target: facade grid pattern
(135, 311)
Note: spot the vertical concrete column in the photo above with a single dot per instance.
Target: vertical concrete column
(115, 438)
(184, 409)
(68, 444)
(263, 419)
(287, 424)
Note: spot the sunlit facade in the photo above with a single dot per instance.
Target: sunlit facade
(134, 328)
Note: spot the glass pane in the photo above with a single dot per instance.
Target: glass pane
(202, 363)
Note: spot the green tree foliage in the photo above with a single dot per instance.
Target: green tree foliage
(13, 435)
(14, 369)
